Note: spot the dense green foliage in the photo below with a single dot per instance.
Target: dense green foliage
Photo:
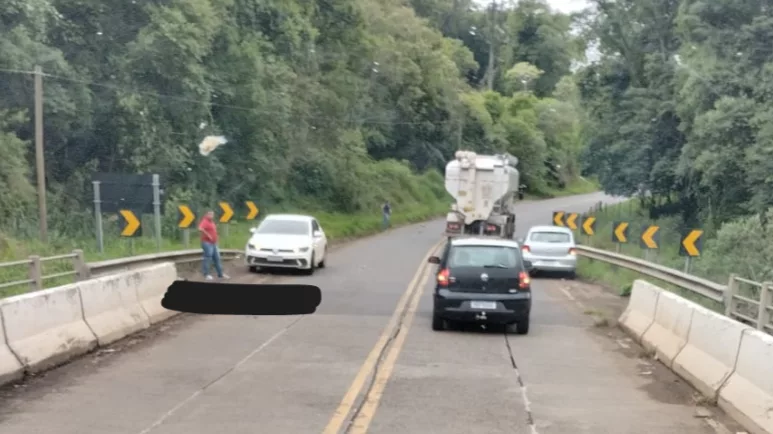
(330, 105)
(679, 102)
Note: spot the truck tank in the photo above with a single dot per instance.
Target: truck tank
(484, 188)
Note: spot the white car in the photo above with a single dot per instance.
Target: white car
(551, 249)
(287, 241)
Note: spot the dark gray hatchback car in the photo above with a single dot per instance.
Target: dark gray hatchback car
(482, 280)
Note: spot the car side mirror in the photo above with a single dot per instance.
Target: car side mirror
(433, 260)
(252, 230)
(528, 265)
(317, 234)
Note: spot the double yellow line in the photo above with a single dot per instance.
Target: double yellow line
(394, 333)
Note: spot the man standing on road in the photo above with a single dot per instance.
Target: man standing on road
(387, 210)
(208, 231)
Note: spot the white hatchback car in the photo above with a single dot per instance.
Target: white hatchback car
(550, 248)
(287, 241)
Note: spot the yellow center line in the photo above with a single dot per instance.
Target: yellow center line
(369, 407)
(347, 403)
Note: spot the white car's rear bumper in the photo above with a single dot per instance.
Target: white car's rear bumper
(566, 263)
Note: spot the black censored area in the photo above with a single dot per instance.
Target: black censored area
(241, 299)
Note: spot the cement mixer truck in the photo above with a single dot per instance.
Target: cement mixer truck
(485, 189)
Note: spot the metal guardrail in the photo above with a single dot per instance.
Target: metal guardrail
(178, 257)
(81, 270)
(728, 295)
(35, 275)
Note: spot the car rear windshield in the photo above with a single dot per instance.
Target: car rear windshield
(550, 237)
(483, 256)
(284, 227)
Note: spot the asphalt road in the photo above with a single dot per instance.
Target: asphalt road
(313, 374)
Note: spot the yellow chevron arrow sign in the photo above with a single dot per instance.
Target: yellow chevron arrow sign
(571, 221)
(620, 233)
(253, 210)
(691, 243)
(228, 212)
(589, 225)
(186, 216)
(131, 224)
(648, 237)
(558, 218)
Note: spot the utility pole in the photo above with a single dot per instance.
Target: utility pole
(39, 157)
(491, 54)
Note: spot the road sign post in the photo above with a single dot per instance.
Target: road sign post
(140, 193)
(98, 218)
(186, 217)
(649, 239)
(619, 234)
(157, 209)
(226, 215)
(690, 246)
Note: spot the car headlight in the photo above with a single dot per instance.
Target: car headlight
(303, 249)
(252, 247)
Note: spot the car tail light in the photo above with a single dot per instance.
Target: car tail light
(572, 251)
(442, 277)
(525, 249)
(491, 228)
(525, 280)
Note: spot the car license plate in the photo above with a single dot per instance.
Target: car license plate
(490, 305)
(275, 259)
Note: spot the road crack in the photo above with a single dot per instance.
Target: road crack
(522, 387)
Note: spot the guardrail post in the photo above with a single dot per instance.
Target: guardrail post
(763, 315)
(36, 273)
(79, 264)
(729, 295)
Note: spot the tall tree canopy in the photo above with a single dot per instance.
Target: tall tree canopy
(324, 103)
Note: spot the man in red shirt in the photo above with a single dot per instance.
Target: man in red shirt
(208, 231)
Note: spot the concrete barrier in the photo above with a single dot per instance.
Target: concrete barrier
(640, 313)
(46, 328)
(709, 357)
(150, 291)
(10, 367)
(748, 394)
(667, 335)
(111, 307)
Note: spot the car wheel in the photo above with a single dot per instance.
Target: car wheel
(254, 269)
(438, 324)
(310, 270)
(324, 258)
(572, 275)
(522, 327)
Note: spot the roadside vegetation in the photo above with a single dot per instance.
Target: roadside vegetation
(720, 257)
(328, 108)
(678, 107)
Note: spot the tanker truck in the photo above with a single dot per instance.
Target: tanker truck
(485, 189)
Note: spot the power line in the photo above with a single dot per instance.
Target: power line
(257, 110)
